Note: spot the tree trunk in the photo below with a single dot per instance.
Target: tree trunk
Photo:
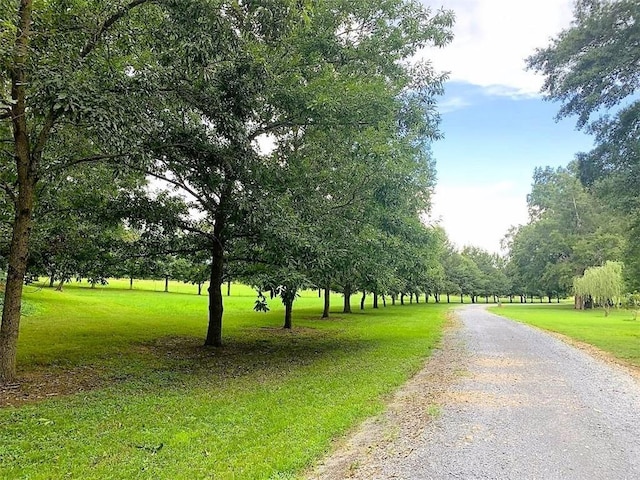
(199, 288)
(448, 298)
(52, 280)
(384, 300)
(375, 299)
(364, 297)
(60, 285)
(327, 302)
(288, 308)
(486, 299)
(417, 298)
(228, 288)
(166, 284)
(26, 166)
(347, 299)
(461, 298)
(130, 283)
(393, 299)
(402, 299)
(18, 254)
(214, 331)
(426, 298)
(410, 298)
(319, 292)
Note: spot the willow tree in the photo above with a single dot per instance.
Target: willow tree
(602, 286)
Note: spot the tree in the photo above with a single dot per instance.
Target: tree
(592, 67)
(602, 286)
(569, 229)
(65, 82)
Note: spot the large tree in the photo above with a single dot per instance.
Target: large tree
(68, 96)
(593, 69)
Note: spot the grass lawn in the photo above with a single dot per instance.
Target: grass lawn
(156, 404)
(617, 334)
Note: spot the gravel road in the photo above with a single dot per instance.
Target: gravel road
(501, 400)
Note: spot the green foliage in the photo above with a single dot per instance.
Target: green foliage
(592, 67)
(569, 229)
(604, 285)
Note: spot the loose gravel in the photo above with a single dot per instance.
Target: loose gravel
(501, 400)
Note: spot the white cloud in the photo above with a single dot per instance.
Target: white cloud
(451, 104)
(479, 214)
(493, 38)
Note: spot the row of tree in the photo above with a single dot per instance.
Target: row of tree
(287, 140)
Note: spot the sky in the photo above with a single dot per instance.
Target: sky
(497, 127)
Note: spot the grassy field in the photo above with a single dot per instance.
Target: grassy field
(154, 403)
(617, 334)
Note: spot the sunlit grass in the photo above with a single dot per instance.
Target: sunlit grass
(617, 334)
(267, 405)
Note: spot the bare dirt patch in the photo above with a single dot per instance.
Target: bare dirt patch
(49, 383)
(410, 411)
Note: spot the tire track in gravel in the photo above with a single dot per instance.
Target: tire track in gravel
(501, 400)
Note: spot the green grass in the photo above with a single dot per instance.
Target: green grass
(617, 334)
(266, 406)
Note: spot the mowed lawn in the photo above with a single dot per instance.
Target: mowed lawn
(154, 403)
(618, 334)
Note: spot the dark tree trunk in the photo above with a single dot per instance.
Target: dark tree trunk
(26, 163)
(166, 284)
(393, 299)
(486, 299)
(448, 298)
(60, 285)
(375, 300)
(558, 298)
(288, 308)
(384, 300)
(402, 299)
(130, 283)
(410, 298)
(214, 331)
(228, 288)
(347, 299)
(426, 298)
(52, 280)
(319, 292)
(461, 298)
(327, 302)
(550, 298)
(417, 298)
(364, 297)
(18, 254)
(510, 298)
(199, 288)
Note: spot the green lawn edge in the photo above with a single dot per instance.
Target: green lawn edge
(617, 334)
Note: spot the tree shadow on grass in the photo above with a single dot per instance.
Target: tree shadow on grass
(183, 361)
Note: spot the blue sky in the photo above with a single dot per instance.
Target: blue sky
(486, 160)
(496, 125)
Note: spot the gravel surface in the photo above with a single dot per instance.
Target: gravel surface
(501, 400)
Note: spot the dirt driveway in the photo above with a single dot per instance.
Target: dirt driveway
(501, 400)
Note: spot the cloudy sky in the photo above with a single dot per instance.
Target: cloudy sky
(497, 127)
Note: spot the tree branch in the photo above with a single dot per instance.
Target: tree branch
(93, 41)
